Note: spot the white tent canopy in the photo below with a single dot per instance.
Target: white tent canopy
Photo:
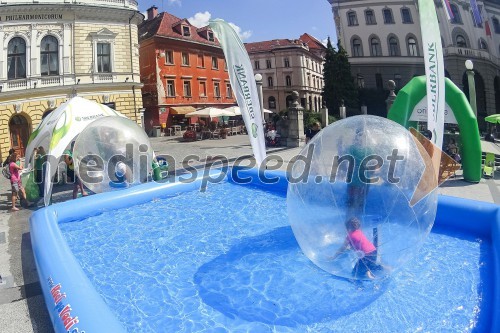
(237, 111)
(210, 112)
(60, 128)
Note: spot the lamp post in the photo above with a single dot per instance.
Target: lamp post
(258, 81)
(472, 85)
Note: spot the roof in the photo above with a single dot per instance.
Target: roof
(168, 25)
(305, 41)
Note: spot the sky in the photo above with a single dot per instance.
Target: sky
(256, 20)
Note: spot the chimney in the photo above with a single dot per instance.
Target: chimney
(152, 12)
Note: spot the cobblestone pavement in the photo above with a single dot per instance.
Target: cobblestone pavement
(22, 308)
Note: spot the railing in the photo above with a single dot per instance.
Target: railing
(104, 77)
(50, 81)
(16, 84)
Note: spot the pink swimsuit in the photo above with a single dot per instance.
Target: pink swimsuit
(359, 241)
(14, 173)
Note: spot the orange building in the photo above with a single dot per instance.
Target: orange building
(182, 68)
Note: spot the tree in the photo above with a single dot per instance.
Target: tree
(339, 84)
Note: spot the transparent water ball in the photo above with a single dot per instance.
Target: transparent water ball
(350, 201)
(112, 153)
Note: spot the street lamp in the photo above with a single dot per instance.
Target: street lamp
(258, 82)
(472, 85)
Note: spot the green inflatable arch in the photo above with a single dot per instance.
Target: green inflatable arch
(470, 146)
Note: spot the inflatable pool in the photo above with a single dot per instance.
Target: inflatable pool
(75, 305)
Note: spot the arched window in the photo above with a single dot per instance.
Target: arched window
(375, 50)
(49, 56)
(457, 19)
(271, 101)
(412, 47)
(288, 81)
(482, 44)
(460, 40)
(270, 82)
(16, 59)
(394, 47)
(357, 49)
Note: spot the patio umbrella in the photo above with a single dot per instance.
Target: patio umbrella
(237, 112)
(494, 119)
(210, 112)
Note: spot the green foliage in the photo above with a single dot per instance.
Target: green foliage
(310, 118)
(338, 82)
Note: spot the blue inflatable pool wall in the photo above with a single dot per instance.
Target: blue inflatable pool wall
(75, 306)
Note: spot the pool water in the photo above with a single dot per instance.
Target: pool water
(226, 260)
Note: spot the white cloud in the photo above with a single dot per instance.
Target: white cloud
(243, 34)
(175, 2)
(201, 20)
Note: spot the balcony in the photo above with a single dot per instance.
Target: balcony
(132, 4)
(55, 81)
(470, 54)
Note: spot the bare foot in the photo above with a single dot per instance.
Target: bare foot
(14, 209)
(84, 194)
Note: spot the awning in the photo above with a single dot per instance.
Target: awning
(181, 109)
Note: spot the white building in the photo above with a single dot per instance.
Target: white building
(383, 40)
(288, 65)
(54, 49)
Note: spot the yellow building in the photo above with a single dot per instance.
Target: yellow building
(55, 49)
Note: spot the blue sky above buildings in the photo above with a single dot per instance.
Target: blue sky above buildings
(257, 20)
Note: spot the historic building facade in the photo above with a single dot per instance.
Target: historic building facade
(288, 65)
(182, 68)
(383, 40)
(55, 49)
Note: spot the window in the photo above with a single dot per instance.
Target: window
(185, 59)
(201, 61)
(287, 62)
(16, 58)
(169, 57)
(393, 47)
(103, 58)
(357, 51)
(203, 89)
(229, 91)
(186, 31)
(412, 47)
(483, 45)
(388, 19)
(257, 64)
(406, 15)
(370, 17)
(271, 101)
(268, 64)
(378, 81)
(170, 88)
(397, 80)
(217, 89)
(49, 56)
(270, 82)
(361, 81)
(288, 81)
(187, 88)
(460, 40)
(496, 26)
(375, 50)
(211, 36)
(457, 19)
(215, 63)
(352, 19)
